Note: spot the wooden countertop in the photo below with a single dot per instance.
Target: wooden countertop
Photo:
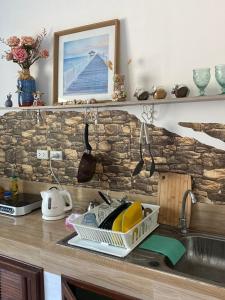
(33, 240)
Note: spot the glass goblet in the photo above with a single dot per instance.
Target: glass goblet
(220, 76)
(201, 78)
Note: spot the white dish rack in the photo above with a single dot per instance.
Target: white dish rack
(113, 242)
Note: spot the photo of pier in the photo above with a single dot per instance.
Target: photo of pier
(85, 69)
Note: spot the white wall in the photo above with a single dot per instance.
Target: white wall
(52, 286)
(165, 40)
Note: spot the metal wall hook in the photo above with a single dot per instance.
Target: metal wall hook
(34, 115)
(151, 113)
(85, 115)
(29, 114)
(95, 116)
(24, 114)
(144, 114)
(148, 113)
(144, 117)
(39, 117)
(91, 115)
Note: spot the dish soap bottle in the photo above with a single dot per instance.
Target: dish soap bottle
(14, 185)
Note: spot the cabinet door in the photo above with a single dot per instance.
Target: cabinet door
(67, 293)
(74, 289)
(20, 281)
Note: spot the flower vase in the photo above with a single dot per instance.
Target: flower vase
(26, 88)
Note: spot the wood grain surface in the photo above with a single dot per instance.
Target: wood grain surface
(109, 103)
(171, 189)
(33, 240)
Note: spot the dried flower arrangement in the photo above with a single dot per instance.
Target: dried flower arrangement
(25, 51)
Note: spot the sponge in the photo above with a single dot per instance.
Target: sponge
(170, 247)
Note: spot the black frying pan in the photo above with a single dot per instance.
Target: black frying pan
(87, 164)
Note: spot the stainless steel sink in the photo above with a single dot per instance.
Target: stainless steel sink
(204, 258)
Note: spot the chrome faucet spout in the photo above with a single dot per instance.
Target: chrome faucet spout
(183, 221)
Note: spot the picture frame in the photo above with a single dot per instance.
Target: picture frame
(85, 61)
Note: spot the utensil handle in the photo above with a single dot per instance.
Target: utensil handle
(87, 145)
(152, 168)
(140, 149)
(146, 134)
(141, 133)
(104, 197)
(68, 199)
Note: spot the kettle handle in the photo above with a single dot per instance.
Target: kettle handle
(68, 197)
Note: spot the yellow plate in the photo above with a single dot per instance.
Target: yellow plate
(117, 224)
(132, 215)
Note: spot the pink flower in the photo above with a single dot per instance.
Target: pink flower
(19, 54)
(13, 41)
(44, 53)
(25, 50)
(9, 56)
(27, 41)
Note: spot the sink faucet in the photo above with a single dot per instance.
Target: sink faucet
(183, 221)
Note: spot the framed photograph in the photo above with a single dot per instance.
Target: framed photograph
(85, 61)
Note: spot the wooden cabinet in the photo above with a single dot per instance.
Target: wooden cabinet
(20, 281)
(74, 289)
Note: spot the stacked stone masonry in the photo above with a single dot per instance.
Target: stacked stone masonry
(115, 144)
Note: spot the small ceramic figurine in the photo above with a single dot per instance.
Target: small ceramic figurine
(158, 93)
(119, 93)
(8, 102)
(37, 99)
(180, 91)
(141, 94)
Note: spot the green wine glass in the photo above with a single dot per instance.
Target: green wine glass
(201, 78)
(220, 76)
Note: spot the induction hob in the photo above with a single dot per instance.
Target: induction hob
(20, 204)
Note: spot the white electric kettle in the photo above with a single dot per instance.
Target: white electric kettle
(55, 203)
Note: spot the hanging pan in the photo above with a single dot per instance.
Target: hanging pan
(87, 164)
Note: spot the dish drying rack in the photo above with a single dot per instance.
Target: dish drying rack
(113, 242)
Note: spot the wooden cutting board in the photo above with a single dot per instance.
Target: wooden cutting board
(171, 189)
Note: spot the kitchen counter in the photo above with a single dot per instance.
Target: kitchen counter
(33, 240)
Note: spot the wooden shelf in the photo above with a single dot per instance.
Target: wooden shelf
(10, 108)
(108, 104)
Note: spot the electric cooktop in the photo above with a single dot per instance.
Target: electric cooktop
(20, 204)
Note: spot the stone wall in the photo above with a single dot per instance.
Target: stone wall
(115, 145)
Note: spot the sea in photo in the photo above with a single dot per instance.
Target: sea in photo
(85, 69)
